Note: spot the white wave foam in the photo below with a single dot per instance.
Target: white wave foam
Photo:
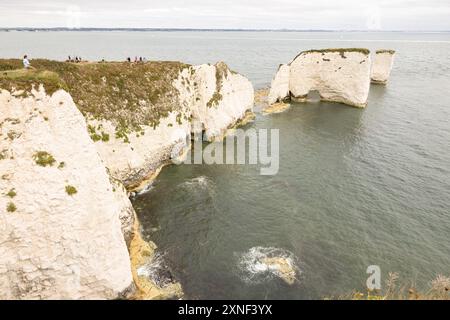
(199, 182)
(147, 189)
(261, 264)
(157, 271)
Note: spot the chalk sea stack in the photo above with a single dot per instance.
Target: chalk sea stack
(337, 75)
(382, 66)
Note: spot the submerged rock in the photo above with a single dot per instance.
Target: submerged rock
(282, 267)
(260, 264)
(276, 108)
(382, 66)
(152, 281)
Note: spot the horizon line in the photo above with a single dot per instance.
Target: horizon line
(208, 29)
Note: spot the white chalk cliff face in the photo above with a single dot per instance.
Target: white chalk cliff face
(211, 98)
(279, 89)
(221, 98)
(382, 66)
(60, 213)
(139, 159)
(339, 75)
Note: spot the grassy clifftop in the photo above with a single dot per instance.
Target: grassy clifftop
(129, 95)
(341, 51)
(385, 51)
(338, 50)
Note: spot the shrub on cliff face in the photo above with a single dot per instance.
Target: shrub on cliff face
(12, 193)
(221, 74)
(44, 159)
(385, 51)
(215, 99)
(71, 190)
(105, 137)
(11, 207)
(95, 136)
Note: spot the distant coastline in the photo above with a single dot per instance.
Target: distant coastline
(30, 29)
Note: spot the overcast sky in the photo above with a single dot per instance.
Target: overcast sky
(426, 15)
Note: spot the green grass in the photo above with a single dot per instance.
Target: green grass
(25, 79)
(339, 50)
(71, 190)
(44, 159)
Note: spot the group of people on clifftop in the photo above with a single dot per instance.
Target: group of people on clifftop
(137, 60)
(27, 64)
(75, 60)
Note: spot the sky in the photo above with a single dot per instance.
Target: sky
(407, 15)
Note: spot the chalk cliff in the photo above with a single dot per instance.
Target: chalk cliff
(221, 98)
(60, 213)
(279, 89)
(72, 137)
(382, 66)
(338, 75)
(207, 98)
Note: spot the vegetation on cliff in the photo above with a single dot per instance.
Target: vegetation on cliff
(221, 74)
(341, 51)
(71, 190)
(44, 159)
(385, 51)
(128, 95)
(338, 50)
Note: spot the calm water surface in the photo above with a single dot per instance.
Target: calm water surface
(355, 187)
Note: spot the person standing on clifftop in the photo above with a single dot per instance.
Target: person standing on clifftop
(26, 63)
